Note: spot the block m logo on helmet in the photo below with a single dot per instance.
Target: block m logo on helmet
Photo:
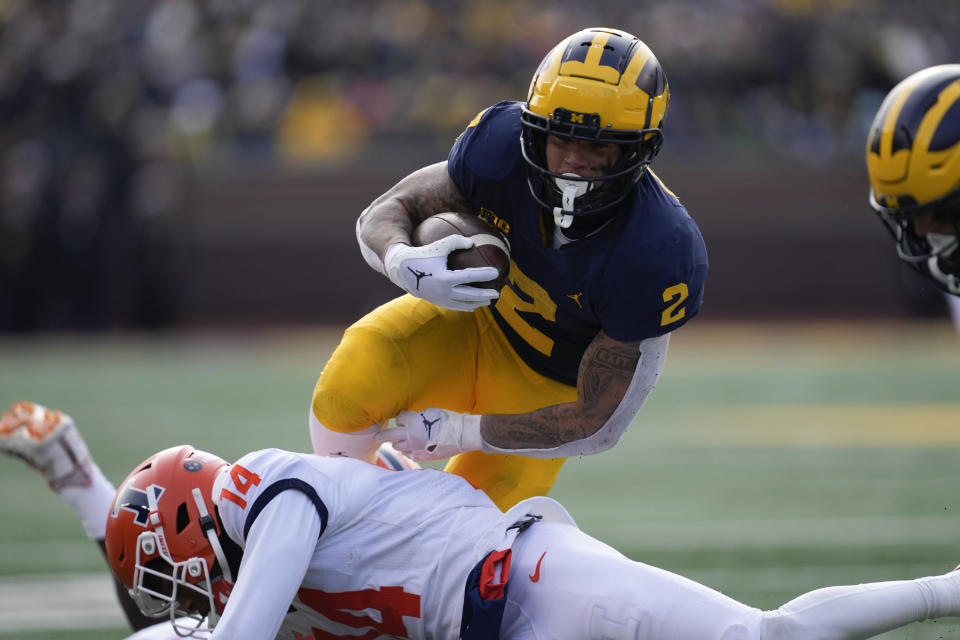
(565, 116)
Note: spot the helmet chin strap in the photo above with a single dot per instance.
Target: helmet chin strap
(571, 190)
(206, 523)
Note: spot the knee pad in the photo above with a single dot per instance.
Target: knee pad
(362, 382)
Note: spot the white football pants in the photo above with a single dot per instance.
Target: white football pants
(566, 584)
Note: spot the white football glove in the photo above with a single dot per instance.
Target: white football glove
(422, 272)
(434, 434)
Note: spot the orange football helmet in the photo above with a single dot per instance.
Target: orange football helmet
(162, 539)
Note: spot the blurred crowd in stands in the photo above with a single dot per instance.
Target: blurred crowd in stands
(110, 106)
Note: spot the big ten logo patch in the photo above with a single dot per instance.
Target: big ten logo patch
(495, 220)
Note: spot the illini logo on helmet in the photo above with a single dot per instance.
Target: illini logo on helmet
(136, 501)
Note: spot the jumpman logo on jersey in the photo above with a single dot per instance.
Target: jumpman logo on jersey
(576, 298)
(419, 275)
(428, 424)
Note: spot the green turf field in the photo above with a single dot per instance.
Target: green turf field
(768, 461)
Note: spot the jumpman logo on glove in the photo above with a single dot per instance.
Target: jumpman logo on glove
(419, 275)
(433, 434)
(428, 424)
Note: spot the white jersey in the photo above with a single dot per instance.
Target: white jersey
(363, 552)
(357, 548)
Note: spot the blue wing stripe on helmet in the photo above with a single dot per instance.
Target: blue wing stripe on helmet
(576, 50)
(276, 489)
(947, 134)
(611, 58)
(651, 79)
(877, 133)
(616, 53)
(920, 101)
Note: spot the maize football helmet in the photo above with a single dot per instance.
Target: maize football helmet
(598, 85)
(162, 539)
(913, 159)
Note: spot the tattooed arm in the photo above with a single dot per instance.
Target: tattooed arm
(383, 231)
(613, 383)
(392, 217)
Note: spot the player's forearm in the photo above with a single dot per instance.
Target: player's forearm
(392, 217)
(542, 429)
(383, 223)
(606, 372)
(614, 381)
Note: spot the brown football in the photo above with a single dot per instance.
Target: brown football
(491, 247)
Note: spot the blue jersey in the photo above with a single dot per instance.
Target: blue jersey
(640, 276)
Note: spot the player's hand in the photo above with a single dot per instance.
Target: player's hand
(422, 272)
(433, 434)
(47, 440)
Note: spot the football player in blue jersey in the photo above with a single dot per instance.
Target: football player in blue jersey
(605, 264)
(913, 159)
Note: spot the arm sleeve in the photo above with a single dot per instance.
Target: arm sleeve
(369, 254)
(276, 556)
(653, 353)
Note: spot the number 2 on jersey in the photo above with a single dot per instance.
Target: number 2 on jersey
(523, 295)
(678, 294)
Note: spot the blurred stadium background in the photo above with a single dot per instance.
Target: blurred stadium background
(178, 186)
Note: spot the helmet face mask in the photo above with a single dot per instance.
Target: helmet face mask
(937, 250)
(600, 86)
(162, 586)
(163, 539)
(637, 149)
(913, 159)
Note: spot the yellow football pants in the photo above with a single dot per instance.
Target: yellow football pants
(412, 355)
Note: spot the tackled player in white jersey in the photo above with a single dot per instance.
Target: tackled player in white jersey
(296, 546)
